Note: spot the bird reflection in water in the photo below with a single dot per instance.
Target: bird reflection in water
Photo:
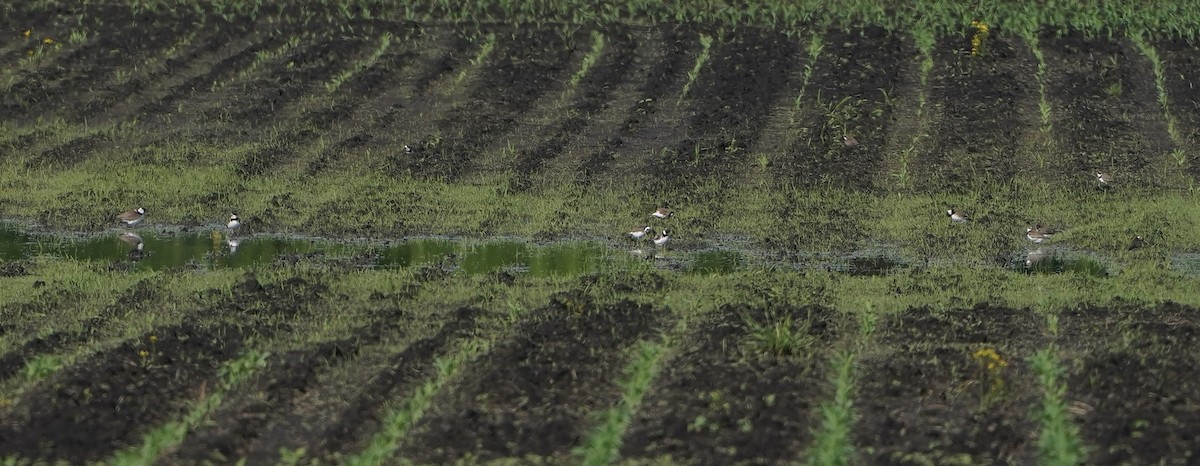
(1033, 257)
(138, 248)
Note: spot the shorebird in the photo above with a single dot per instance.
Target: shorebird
(662, 238)
(662, 212)
(1137, 243)
(1103, 178)
(234, 222)
(1037, 234)
(958, 217)
(132, 217)
(639, 232)
(849, 140)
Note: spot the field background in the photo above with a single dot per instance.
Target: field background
(565, 121)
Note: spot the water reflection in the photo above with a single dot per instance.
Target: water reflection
(216, 249)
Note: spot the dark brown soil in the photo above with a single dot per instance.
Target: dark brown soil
(720, 401)
(983, 102)
(532, 393)
(89, 410)
(929, 399)
(1139, 398)
(1106, 108)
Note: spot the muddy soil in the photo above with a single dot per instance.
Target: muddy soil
(530, 396)
(927, 396)
(720, 400)
(1131, 389)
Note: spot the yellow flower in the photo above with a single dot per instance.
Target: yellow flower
(48, 41)
(144, 354)
(27, 32)
(153, 338)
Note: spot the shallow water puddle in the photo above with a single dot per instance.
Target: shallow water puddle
(215, 249)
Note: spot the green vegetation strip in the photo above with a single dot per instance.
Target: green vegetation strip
(398, 421)
(603, 446)
(943, 16)
(1058, 439)
(833, 443)
(172, 433)
(477, 60)
(701, 58)
(590, 59)
(1160, 83)
(385, 41)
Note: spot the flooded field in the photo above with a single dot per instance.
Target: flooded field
(952, 234)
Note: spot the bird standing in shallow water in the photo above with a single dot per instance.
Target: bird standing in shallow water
(234, 222)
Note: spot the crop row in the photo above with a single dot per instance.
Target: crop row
(310, 362)
(1170, 18)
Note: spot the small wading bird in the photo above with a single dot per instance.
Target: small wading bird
(849, 140)
(1103, 178)
(958, 217)
(662, 238)
(1037, 234)
(234, 222)
(662, 212)
(639, 232)
(132, 217)
(1137, 243)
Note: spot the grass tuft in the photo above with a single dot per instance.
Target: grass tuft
(781, 337)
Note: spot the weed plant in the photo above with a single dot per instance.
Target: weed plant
(833, 442)
(1058, 439)
(779, 336)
